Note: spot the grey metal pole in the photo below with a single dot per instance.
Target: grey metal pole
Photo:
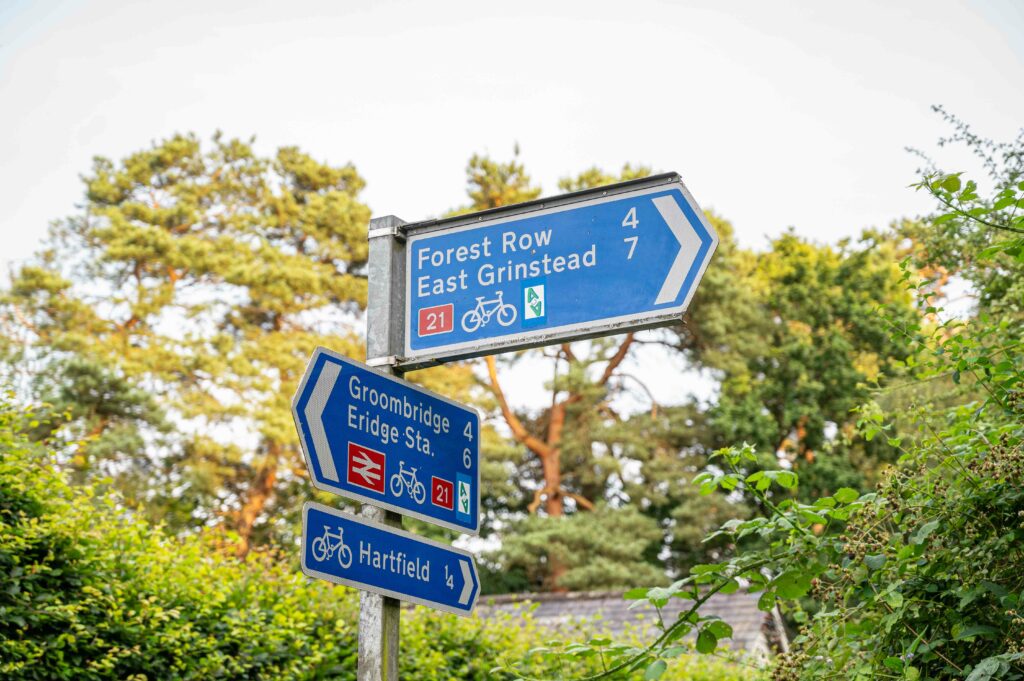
(385, 321)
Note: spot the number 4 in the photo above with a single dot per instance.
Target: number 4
(630, 219)
(448, 581)
(468, 431)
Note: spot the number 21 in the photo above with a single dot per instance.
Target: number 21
(435, 321)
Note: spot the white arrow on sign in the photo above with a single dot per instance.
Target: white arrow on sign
(467, 583)
(314, 413)
(689, 244)
(365, 467)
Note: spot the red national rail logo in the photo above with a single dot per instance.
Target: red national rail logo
(366, 468)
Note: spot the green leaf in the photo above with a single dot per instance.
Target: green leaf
(813, 517)
(792, 584)
(974, 630)
(659, 596)
(720, 629)
(922, 534)
(766, 602)
(786, 479)
(985, 670)
(705, 568)
(846, 495)
(706, 641)
(875, 562)
(635, 594)
(732, 586)
(951, 183)
(655, 669)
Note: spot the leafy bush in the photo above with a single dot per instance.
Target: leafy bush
(921, 579)
(89, 591)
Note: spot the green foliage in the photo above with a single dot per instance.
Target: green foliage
(608, 548)
(91, 593)
(192, 288)
(920, 579)
(595, 177)
(815, 347)
(978, 231)
(492, 184)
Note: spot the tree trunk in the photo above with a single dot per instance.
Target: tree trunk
(256, 499)
(549, 450)
(551, 463)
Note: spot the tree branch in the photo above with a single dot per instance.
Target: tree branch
(23, 320)
(616, 359)
(580, 500)
(650, 395)
(518, 429)
(567, 350)
(535, 504)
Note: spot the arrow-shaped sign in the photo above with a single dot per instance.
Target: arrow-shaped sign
(606, 260)
(384, 441)
(358, 552)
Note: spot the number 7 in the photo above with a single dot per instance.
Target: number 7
(632, 245)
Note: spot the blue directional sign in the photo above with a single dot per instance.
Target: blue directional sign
(357, 552)
(597, 262)
(384, 441)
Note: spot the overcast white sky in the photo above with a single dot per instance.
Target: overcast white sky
(776, 114)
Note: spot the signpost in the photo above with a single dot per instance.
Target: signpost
(368, 555)
(592, 263)
(384, 441)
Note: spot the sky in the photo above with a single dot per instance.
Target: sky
(776, 114)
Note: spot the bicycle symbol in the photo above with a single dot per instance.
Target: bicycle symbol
(485, 309)
(405, 479)
(326, 546)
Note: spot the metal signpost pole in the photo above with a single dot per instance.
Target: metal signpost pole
(385, 306)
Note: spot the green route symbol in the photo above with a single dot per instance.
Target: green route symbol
(533, 299)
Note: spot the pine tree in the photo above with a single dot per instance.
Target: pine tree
(204, 276)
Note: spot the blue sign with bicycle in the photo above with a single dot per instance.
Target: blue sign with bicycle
(571, 267)
(358, 552)
(381, 440)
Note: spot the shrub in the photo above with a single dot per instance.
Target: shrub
(90, 591)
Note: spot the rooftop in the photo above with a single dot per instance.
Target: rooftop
(754, 631)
